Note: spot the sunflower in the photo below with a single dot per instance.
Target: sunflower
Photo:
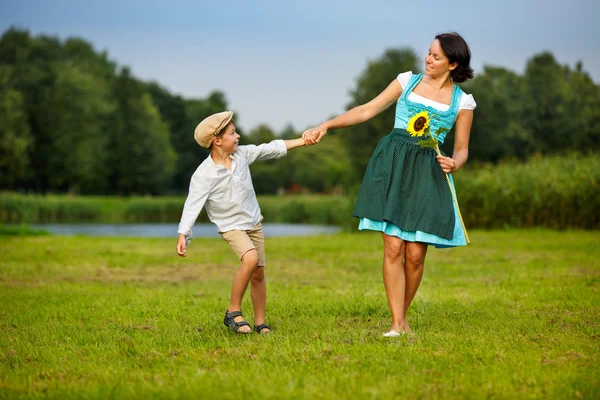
(418, 124)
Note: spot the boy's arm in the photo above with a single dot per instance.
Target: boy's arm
(196, 198)
(292, 144)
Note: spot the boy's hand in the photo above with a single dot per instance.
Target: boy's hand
(314, 135)
(181, 247)
(310, 136)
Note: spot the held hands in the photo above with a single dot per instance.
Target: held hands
(313, 135)
(447, 163)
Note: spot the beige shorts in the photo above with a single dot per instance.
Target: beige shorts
(243, 241)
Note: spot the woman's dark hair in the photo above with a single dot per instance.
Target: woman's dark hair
(457, 50)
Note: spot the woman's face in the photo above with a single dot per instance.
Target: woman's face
(436, 62)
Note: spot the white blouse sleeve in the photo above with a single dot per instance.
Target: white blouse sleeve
(467, 102)
(404, 77)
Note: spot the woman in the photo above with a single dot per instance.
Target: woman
(405, 194)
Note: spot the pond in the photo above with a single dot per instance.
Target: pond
(170, 230)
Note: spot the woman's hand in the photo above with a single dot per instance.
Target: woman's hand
(447, 163)
(314, 135)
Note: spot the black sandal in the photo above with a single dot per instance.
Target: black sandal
(259, 328)
(235, 326)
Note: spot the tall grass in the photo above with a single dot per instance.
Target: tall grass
(16, 208)
(551, 192)
(554, 192)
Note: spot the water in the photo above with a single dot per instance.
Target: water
(170, 230)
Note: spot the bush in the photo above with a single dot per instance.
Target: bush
(551, 192)
(16, 208)
(21, 230)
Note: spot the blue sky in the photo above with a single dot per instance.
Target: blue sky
(283, 62)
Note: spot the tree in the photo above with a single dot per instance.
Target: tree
(289, 132)
(75, 113)
(361, 139)
(321, 168)
(583, 111)
(15, 136)
(498, 129)
(190, 154)
(261, 134)
(267, 175)
(547, 93)
(141, 155)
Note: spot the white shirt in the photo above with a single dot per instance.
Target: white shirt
(228, 195)
(467, 102)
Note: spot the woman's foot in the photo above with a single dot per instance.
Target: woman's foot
(395, 330)
(406, 328)
(392, 333)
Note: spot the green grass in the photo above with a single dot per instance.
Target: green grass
(515, 315)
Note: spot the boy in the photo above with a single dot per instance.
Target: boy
(222, 183)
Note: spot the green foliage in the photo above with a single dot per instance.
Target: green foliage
(182, 117)
(90, 130)
(261, 134)
(21, 230)
(141, 157)
(362, 139)
(320, 210)
(16, 208)
(548, 110)
(76, 114)
(71, 120)
(148, 209)
(430, 143)
(550, 192)
(324, 168)
(267, 175)
(15, 135)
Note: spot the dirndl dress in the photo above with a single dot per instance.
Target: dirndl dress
(404, 192)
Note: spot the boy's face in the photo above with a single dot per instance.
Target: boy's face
(229, 140)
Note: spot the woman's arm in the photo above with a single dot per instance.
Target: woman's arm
(358, 114)
(464, 121)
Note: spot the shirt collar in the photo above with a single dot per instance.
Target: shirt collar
(216, 166)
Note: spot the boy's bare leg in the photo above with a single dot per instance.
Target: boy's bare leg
(240, 284)
(258, 293)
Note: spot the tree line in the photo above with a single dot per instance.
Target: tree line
(72, 120)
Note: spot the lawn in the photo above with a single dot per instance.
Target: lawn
(514, 315)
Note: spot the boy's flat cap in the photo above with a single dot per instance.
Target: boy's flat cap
(210, 127)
